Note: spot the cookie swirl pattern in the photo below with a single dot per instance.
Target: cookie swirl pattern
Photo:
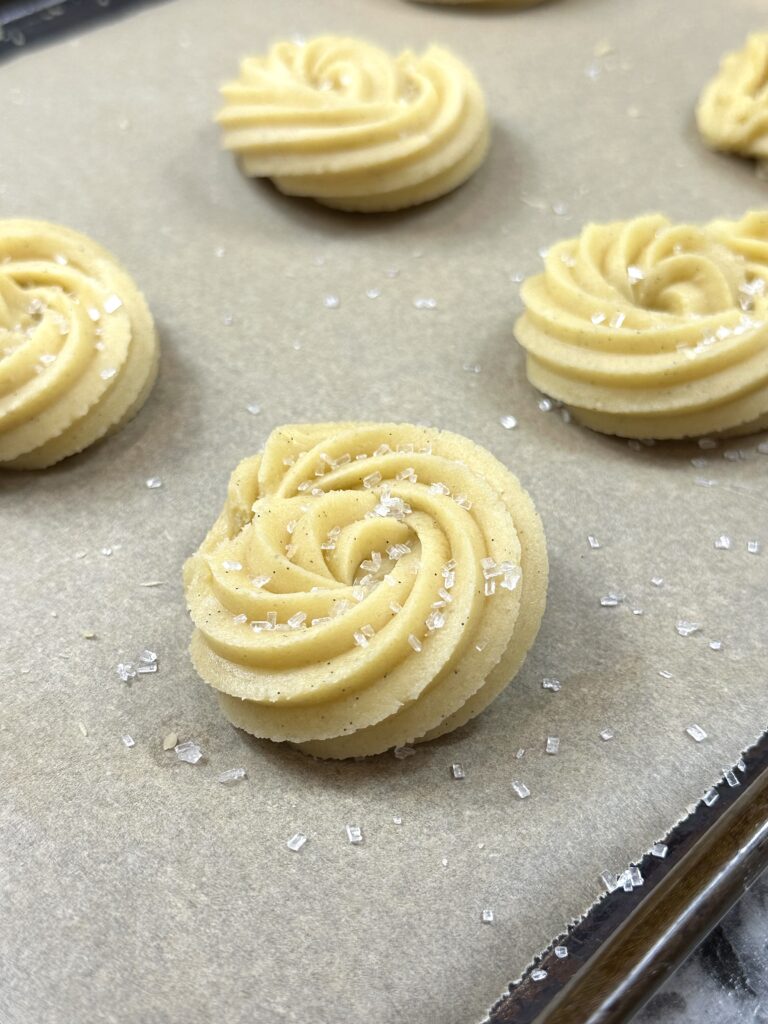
(78, 350)
(345, 123)
(648, 329)
(366, 585)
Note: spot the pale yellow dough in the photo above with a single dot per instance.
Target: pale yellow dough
(78, 350)
(648, 329)
(357, 551)
(733, 110)
(344, 123)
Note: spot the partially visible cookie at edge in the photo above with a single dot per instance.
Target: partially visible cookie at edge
(732, 113)
(649, 329)
(78, 347)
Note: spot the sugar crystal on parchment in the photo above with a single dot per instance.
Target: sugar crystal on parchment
(686, 628)
(188, 751)
(354, 834)
(609, 880)
(696, 733)
(405, 751)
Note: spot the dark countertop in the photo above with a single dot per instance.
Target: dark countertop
(726, 980)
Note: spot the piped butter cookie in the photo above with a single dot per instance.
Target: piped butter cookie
(78, 349)
(648, 329)
(343, 122)
(367, 585)
(732, 114)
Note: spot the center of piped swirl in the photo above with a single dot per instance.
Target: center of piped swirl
(687, 273)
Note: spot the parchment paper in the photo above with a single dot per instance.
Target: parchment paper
(137, 888)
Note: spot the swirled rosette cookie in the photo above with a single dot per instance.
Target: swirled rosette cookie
(78, 351)
(344, 123)
(647, 329)
(733, 110)
(366, 585)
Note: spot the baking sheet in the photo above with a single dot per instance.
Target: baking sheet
(137, 887)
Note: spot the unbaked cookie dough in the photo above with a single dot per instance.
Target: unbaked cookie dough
(366, 585)
(345, 123)
(648, 329)
(749, 238)
(733, 110)
(78, 350)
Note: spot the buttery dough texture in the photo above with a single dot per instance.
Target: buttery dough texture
(733, 110)
(367, 585)
(749, 238)
(647, 329)
(341, 121)
(78, 350)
